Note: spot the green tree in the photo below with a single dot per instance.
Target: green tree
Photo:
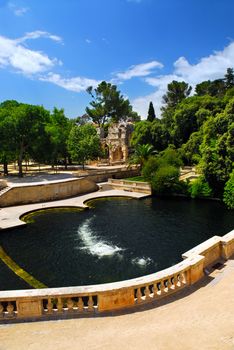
(217, 153)
(142, 133)
(176, 92)
(142, 153)
(165, 179)
(213, 88)
(190, 151)
(162, 171)
(84, 143)
(22, 127)
(58, 129)
(29, 122)
(228, 196)
(108, 105)
(151, 113)
(200, 188)
(229, 78)
(203, 88)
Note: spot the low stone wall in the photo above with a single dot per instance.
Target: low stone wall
(70, 302)
(104, 175)
(48, 191)
(131, 186)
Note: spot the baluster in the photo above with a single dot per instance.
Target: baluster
(179, 280)
(175, 281)
(60, 305)
(10, 309)
(162, 287)
(49, 306)
(1, 310)
(70, 304)
(169, 284)
(90, 303)
(139, 295)
(155, 290)
(183, 277)
(80, 305)
(147, 292)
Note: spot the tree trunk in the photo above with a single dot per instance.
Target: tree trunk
(5, 167)
(20, 161)
(65, 163)
(20, 174)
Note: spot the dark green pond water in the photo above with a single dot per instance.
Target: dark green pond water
(116, 239)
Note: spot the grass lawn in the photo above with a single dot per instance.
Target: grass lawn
(136, 178)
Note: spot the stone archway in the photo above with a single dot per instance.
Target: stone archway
(117, 154)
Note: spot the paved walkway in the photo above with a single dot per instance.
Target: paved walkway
(9, 217)
(198, 319)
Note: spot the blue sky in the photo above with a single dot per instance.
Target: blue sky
(51, 51)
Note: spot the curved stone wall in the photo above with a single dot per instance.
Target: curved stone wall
(74, 301)
(49, 191)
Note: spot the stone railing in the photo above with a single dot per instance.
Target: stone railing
(131, 186)
(74, 301)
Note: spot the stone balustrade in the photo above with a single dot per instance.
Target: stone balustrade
(127, 185)
(71, 301)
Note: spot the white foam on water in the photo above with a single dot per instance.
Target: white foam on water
(93, 244)
(141, 261)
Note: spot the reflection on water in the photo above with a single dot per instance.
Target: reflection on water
(117, 239)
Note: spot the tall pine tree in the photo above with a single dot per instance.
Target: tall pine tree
(151, 113)
(229, 78)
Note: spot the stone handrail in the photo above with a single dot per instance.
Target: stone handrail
(65, 302)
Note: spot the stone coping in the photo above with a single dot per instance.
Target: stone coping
(10, 216)
(43, 183)
(94, 289)
(199, 249)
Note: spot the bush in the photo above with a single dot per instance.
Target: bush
(228, 195)
(200, 188)
(165, 179)
(149, 168)
(172, 157)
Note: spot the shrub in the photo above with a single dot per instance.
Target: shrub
(165, 179)
(171, 156)
(200, 188)
(149, 168)
(228, 195)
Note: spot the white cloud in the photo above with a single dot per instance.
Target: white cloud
(211, 67)
(139, 70)
(76, 84)
(13, 54)
(39, 34)
(18, 11)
